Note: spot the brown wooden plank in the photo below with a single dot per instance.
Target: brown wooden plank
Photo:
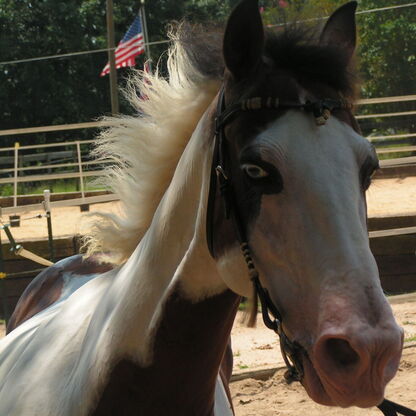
(398, 284)
(387, 223)
(64, 247)
(7, 201)
(396, 265)
(401, 244)
(19, 265)
(11, 305)
(15, 287)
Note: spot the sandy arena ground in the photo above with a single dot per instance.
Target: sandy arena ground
(274, 397)
(256, 349)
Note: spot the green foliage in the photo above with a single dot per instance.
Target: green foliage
(298, 10)
(6, 190)
(386, 52)
(387, 49)
(69, 90)
(53, 91)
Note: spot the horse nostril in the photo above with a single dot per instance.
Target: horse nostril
(341, 352)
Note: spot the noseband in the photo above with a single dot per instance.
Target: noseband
(321, 110)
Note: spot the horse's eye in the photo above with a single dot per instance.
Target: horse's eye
(254, 171)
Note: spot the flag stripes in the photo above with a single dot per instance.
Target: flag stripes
(129, 47)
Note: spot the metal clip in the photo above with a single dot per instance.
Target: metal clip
(323, 117)
(220, 171)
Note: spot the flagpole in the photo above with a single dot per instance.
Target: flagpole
(112, 58)
(145, 33)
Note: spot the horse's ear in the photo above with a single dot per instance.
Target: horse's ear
(243, 39)
(340, 29)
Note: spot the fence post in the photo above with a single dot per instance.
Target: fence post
(81, 177)
(3, 291)
(47, 207)
(16, 167)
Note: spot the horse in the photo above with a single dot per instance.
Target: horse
(242, 172)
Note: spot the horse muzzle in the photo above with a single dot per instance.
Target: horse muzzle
(352, 366)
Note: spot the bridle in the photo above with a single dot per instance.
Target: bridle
(321, 110)
(220, 176)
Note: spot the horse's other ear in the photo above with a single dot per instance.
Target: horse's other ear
(340, 29)
(243, 39)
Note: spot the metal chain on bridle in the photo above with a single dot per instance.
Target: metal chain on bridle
(321, 110)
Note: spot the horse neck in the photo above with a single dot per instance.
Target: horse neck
(172, 260)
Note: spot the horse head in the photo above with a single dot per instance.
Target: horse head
(293, 170)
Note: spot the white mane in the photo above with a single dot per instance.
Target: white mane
(144, 150)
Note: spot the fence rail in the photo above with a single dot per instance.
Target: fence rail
(46, 177)
(60, 165)
(18, 158)
(88, 200)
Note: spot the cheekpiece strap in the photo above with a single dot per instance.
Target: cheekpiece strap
(290, 350)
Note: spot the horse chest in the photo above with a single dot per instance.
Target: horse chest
(132, 390)
(182, 378)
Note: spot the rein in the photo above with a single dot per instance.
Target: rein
(321, 110)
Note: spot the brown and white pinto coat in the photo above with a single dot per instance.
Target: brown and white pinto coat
(173, 346)
(149, 336)
(53, 284)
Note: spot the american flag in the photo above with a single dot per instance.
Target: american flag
(129, 47)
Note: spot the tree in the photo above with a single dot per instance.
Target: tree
(387, 49)
(53, 91)
(69, 90)
(386, 52)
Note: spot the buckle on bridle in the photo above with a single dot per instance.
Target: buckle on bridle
(221, 173)
(320, 110)
(224, 186)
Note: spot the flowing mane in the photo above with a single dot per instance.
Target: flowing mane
(144, 149)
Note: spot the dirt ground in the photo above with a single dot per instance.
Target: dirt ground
(274, 397)
(66, 221)
(257, 349)
(385, 197)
